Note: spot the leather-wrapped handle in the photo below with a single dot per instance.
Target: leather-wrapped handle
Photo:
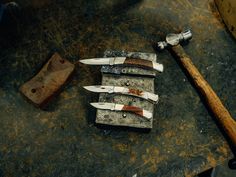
(221, 113)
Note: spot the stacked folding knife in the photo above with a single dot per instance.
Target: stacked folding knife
(124, 61)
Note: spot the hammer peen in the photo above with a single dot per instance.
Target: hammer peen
(222, 115)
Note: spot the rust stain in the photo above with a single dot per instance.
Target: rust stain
(97, 138)
(133, 157)
(152, 158)
(185, 3)
(169, 134)
(183, 154)
(48, 119)
(211, 160)
(123, 148)
(187, 174)
(133, 137)
(223, 150)
(66, 96)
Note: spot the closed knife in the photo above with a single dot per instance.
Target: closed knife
(145, 64)
(119, 107)
(123, 90)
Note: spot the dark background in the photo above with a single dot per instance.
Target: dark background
(63, 140)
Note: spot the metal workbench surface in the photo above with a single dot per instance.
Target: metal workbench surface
(64, 140)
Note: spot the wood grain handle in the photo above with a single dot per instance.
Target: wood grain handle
(139, 63)
(145, 64)
(138, 111)
(133, 109)
(221, 113)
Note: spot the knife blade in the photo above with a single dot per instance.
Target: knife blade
(123, 90)
(145, 64)
(119, 107)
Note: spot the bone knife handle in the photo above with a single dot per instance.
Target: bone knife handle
(143, 64)
(221, 113)
(138, 111)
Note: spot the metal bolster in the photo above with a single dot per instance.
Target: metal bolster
(112, 61)
(186, 35)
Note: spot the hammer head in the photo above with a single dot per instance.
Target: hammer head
(174, 39)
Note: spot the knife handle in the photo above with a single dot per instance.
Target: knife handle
(145, 95)
(138, 111)
(145, 64)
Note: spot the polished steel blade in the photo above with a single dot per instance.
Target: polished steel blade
(100, 88)
(96, 61)
(104, 61)
(109, 106)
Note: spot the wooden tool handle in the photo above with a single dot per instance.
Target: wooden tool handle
(213, 101)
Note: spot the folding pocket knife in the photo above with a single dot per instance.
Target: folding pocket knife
(123, 90)
(119, 107)
(145, 64)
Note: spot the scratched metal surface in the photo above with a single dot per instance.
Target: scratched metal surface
(63, 141)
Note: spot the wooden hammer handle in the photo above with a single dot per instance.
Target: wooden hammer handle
(221, 113)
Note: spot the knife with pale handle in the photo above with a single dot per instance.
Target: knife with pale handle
(119, 107)
(123, 90)
(145, 64)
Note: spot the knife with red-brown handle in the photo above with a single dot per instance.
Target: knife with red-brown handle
(119, 107)
(136, 62)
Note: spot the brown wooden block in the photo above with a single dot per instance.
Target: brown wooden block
(48, 82)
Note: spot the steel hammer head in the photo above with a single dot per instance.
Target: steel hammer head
(174, 39)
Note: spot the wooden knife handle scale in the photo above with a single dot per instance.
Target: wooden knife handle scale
(48, 82)
(133, 109)
(221, 113)
(139, 63)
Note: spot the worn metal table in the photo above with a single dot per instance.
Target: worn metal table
(64, 141)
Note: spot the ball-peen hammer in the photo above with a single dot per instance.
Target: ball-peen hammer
(222, 115)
